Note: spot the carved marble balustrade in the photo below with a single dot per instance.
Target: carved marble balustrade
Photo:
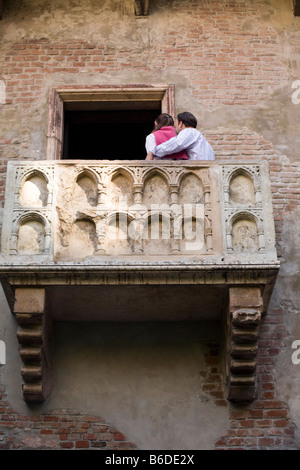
(76, 234)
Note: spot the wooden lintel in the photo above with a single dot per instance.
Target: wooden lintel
(141, 7)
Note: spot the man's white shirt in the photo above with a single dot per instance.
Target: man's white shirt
(189, 139)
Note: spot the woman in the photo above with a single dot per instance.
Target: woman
(163, 130)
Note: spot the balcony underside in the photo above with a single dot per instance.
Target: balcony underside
(141, 7)
(199, 293)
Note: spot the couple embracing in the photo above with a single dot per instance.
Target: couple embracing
(179, 140)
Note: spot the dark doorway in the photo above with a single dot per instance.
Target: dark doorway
(107, 134)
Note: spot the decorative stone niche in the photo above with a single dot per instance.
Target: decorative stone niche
(31, 204)
(243, 210)
(120, 190)
(241, 189)
(242, 185)
(191, 190)
(83, 240)
(156, 189)
(31, 236)
(85, 191)
(34, 191)
(244, 234)
(75, 229)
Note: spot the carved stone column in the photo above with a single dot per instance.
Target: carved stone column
(33, 334)
(176, 216)
(138, 193)
(245, 309)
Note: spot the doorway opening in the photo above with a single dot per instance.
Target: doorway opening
(105, 123)
(107, 135)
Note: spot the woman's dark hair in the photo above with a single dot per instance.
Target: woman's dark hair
(163, 120)
(188, 119)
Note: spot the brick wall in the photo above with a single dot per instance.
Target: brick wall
(226, 55)
(264, 424)
(66, 429)
(61, 429)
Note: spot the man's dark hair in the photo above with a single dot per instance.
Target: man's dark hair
(188, 119)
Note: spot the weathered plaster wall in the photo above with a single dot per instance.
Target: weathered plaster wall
(147, 378)
(286, 297)
(142, 378)
(236, 66)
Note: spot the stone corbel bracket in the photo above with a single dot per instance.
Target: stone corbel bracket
(245, 311)
(29, 310)
(141, 7)
(2, 5)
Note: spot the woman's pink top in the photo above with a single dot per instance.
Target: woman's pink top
(166, 133)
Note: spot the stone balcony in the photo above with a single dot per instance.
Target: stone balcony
(171, 241)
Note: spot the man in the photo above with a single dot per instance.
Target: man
(188, 138)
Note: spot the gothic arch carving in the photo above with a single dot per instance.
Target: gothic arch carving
(191, 190)
(120, 188)
(82, 238)
(241, 188)
(122, 171)
(31, 234)
(34, 189)
(157, 171)
(156, 188)
(85, 190)
(252, 182)
(244, 233)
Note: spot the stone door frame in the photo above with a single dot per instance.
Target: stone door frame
(102, 96)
